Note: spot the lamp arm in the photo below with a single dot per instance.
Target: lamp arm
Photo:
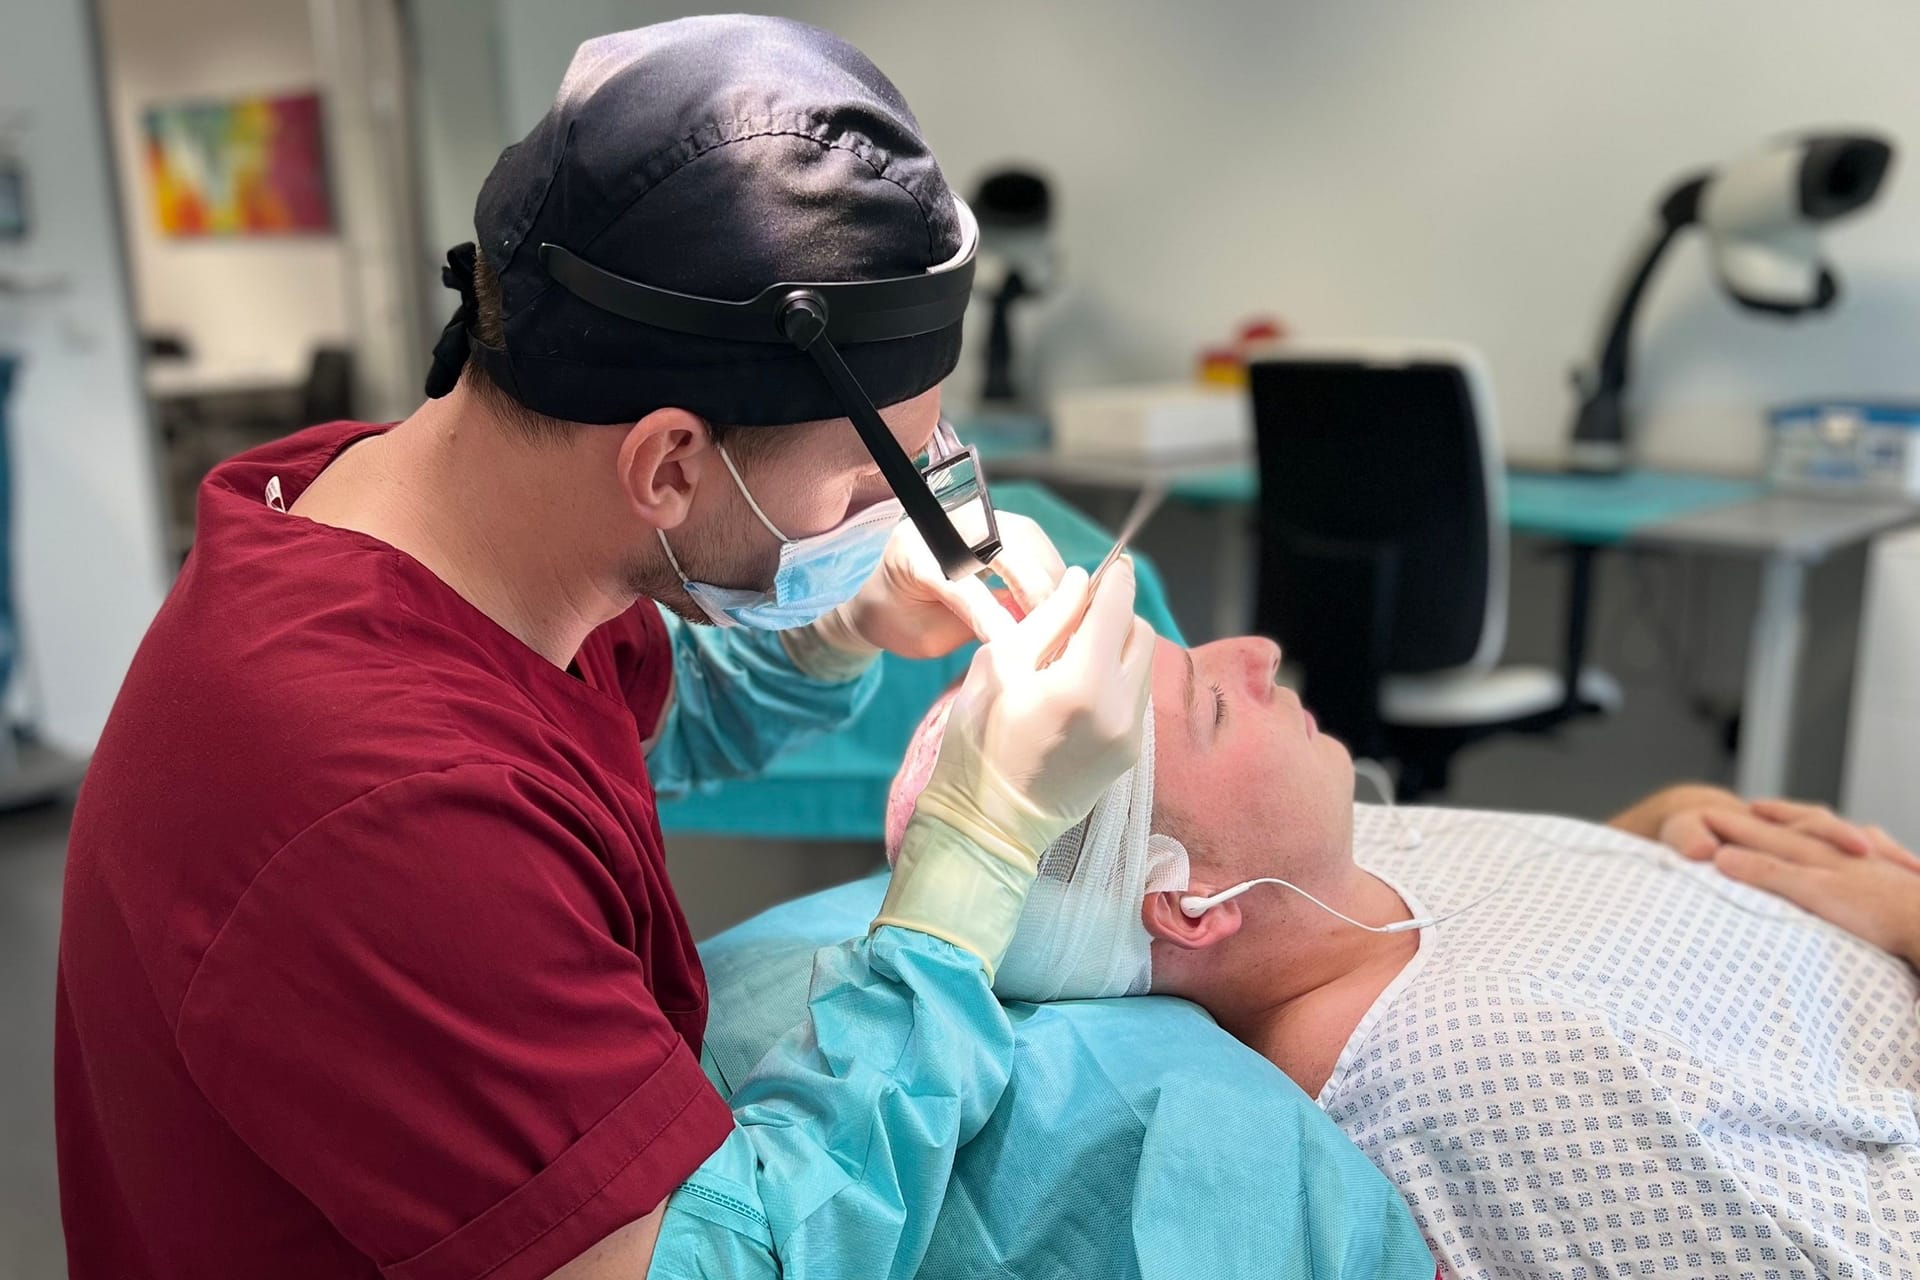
(1599, 430)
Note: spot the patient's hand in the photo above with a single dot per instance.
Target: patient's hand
(1699, 821)
(1857, 877)
(1875, 896)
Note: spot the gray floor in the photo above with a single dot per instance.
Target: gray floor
(32, 852)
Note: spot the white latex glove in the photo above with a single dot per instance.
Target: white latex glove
(1029, 749)
(908, 607)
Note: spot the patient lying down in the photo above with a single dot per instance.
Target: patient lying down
(1622, 1062)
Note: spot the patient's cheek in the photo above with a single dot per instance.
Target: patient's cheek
(915, 769)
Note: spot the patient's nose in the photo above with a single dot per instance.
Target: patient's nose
(1260, 658)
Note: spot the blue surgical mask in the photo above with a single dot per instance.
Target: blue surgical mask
(815, 573)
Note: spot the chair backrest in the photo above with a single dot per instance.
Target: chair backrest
(1389, 452)
(9, 627)
(165, 346)
(327, 395)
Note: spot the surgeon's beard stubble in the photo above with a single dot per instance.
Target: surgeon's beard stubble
(724, 551)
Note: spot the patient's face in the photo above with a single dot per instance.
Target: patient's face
(1242, 775)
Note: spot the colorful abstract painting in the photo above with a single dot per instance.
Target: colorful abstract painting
(253, 166)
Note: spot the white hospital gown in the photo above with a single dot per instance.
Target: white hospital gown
(1626, 1065)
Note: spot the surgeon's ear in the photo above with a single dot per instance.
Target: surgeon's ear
(660, 461)
(1161, 914)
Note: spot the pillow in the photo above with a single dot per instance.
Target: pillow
(1135, 1138)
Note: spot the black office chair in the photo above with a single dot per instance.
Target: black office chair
(159, 345)
(327, 394)
(1383, 555)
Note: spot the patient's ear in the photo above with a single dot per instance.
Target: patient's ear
(1161, 914)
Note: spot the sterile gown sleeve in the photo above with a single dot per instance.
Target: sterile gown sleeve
(738, 701)
(846, 1131)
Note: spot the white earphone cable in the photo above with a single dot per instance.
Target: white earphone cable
(1194, 906)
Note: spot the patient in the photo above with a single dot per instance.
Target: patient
(1621, 1062)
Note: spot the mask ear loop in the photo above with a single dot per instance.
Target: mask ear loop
(739, 484)
(748, 493)
(671, 558)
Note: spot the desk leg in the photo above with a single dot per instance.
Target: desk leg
(1232, 574)
(1773, 660)
(1579, 606)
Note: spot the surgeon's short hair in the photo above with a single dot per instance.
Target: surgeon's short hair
(489, 326)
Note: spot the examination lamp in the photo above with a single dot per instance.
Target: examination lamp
(1762, 216)
(940, 497)
(1015, 209)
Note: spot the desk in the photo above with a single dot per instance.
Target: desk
(184, 379)
(1787, 533)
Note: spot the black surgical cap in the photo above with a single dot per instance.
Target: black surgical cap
(711, 156)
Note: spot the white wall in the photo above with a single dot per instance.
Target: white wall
(457, 94)
(1470, 170)
(251, 304)
(362, 52)
(87, 537)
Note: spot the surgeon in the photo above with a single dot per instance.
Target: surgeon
(369, 961)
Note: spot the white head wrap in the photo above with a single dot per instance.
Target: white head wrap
(1080, 936)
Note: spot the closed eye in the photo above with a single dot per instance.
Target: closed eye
(1219, 706)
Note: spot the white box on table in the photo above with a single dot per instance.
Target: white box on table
(1846, 447)
(1161, 419)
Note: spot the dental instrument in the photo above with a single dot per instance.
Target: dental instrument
(1143, 508)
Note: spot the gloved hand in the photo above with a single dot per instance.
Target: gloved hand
(909, 608)
(1029, 749)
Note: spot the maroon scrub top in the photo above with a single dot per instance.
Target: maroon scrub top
(369, 963)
